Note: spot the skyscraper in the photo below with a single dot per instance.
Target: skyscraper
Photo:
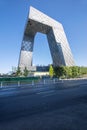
(58, 44)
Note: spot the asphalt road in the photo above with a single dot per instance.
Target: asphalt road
(45, 108)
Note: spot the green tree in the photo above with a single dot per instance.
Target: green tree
(51, 71)
(18, 72)
(74, 71)
(79, 71)
(59, 71)
(83, 70)
(68, 72)
(26, 72)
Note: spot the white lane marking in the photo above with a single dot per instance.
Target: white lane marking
(46, 92)
(9, 89)
(47, 95)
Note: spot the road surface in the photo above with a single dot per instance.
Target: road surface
(44, 108)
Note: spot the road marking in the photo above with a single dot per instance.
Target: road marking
(47, 95)
(46, 92)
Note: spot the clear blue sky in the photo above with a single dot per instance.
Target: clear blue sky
(13, 13)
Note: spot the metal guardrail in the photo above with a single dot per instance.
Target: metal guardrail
(40, 82)
(29, 83)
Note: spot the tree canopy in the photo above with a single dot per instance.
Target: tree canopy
(67, 72)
